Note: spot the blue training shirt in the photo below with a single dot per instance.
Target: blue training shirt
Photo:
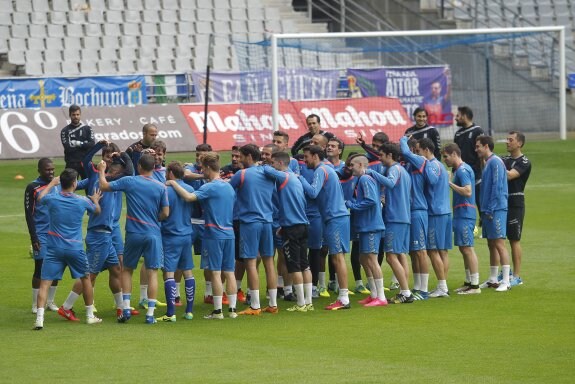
(437, 191)
(66, 211)
(464, 207)
(217, 199)
(397, 185)
(254, 193)
(494, 192)
(415, 166)
(145, 197)
(366, 206)
(292, 203)
(179, 223)
(327, 192)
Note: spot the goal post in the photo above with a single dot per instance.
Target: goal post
(522, 89)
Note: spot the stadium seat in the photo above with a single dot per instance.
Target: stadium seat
(166, 41)
(110, 42)
(16, 57)
(74, 30)
(127, 53)
(256, 14)
(108, 54)
(168, 29)
(99, 5)
(52, 68)
(70, 68)
(272, 14)
(131, 29)
(77, 17)
(149, 29)
(54, 43)
(184, 40)
(88, 67)
(169, 16)
(91, 42)
(185, 28)
(188, 15)
(35, 43)
(148, 41)
(52, 55)
(182, 64)
(206, 4)
(114, 17)
(34, 55)
(152, 4)
(204, 14)
(128, 41)
(33, 69)
(60, 5)
(183, 51)
(96, 29)
(255, 26)
(116, 5)
(221, 27)
(39, 6)
(89, 55)
(58, 18)
(107, 67)
(146, 52)
(20, 18)
(239, 26)
(37, 30)
(150, 16)
(204, 27)
(126, 66)
(135, 5)
(164, 52)
(145, 65)
(238, 14)
(96, 16)
(273, 26)
(164, 65)
(73, 55)
(131, 16)
(19, 31)
(40, 18)
(239, 4)
(71, 42)
(222, 14)
(56, 30)
(171, 4)
(5, 18)
(23, 6)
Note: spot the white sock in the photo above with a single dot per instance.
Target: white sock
(280, 282)
(90, 310)
(343, 296)
(299, 294)
(232, 300)
(308, 289)
(321, 279)
(288, 289)
(151, 307)
(35, 297)
(217, 303)
(424, 282)
(358, 283)
(442, 284)
(474, 277)
(208, 289)
(405, 293)
(273, 297)
(505, 269)
(51, 294)
(72, 297)
(40, 315)
(255, 298)
(380, 289)
(127, 304)
(493, 271)
(467, 276)
(417, 281)
(178, 290)
(372, 287)
(239, 284)
(118, 300)
(143, 292)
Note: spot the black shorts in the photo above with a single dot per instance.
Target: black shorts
(515, 216)
(295, 247)
(237, 239)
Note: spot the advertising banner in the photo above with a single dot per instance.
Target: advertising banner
(63, 92)
(29, 133)
(428, 87)
(256, 86)
(239, 124)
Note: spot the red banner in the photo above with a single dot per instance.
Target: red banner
(239, 124)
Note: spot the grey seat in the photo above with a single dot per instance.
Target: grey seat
(77, 17)
(145, 65)
(164, 52)
(238, 14)
(128, 41)
(37, 30)
(183, 51)
(131, 16)
(19, 31)
(221, 26)
(52, 68)
(168, 29)
(164, 65)
(99, 5)
(34, 55)
(91, 42)
(147, 53)
(39, 6)
(40, 18)
(131, 29)
(134, 5)
(150, 16)
(148, 41)
(53, 55)
(172, 4)
(185, 28)
(188, 15)
(152, 4)
(70, 68)
(108, 54)
(110, 42)
(33, 69)
(112, 30)
(127, 53)
(116, 5)
(94, 29)
(23, 6)
(106, 67)
(88, 67)
(126, 66)
(150, 29)
(35, 43)
(20, 18)
(89, 54)
(71, 42)
(114, 17)
(54, 43)
(169, 16)
(58, 18)
(60, 5)
(166, 41)
(74, 30)
(206, 4)
(96, 16)
(182, 64)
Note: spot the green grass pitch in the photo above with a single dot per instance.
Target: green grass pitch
(523, 336)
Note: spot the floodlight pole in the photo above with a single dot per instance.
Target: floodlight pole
(562, 86)
(275, 91)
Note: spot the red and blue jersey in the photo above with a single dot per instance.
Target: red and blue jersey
(415, 166)
(366, 206)
(145, 198)
(179, 223)
(326, 190)
(254, 195)
(437, 188)
(37, 217)
(397, 185)
(66, 211)
(217, 199)
(292, 202)
(494, 188)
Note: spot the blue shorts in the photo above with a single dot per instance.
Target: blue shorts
(369, 242)
(315, 233)
(100, 251)
(440, 234)
(463, 232)
(256, 239)
(278, 240)
(496, 228)
(336, 235)
(138, 245)
(396, 238)
(218, 255)
(418, 230)
(197, 235)
(41, 254)
(57, 260)
(118, 240)
(177, 253)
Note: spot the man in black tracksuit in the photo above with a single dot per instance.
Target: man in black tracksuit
(77, 140)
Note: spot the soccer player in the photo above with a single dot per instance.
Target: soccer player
(38, 223)
(397, 218)
(159, 151)
(494, 194)
(77, 140)
(313, 123)
(421, 129)
(149, 134)
(217, 198)
(64, 241)
(147, 205)
(464, 216)
(230, 169)
(415, 166)
(368, 223)
(281, 139)
(465, 138)
(334, 152)
(255, 210)
(327, 192)
(293, 226)
(518, 170)
(439, 234)
(177, 245)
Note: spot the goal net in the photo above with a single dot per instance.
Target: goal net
(511, 78)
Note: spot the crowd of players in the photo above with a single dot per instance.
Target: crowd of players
(391, 201)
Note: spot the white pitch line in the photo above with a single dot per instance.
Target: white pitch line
(9, 216)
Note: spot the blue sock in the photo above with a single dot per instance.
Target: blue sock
(171, 289)
(190, 293)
